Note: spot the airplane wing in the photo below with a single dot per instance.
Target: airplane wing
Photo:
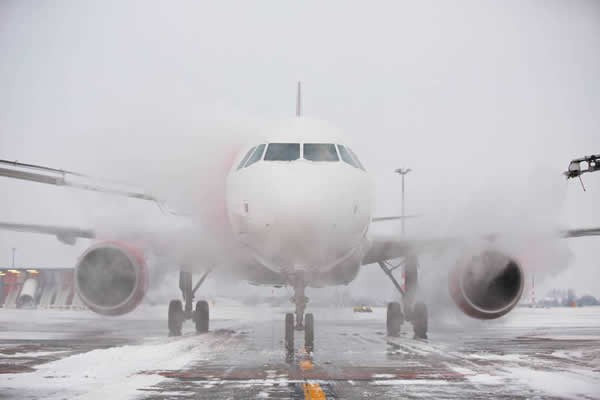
(386, 248)
(58, 177)
(67, 235)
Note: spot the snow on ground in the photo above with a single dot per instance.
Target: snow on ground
(570, 355)
(564, 384)
(493, 357)
(485, 379)
(556, 383)
(113, 373)
(119, 372)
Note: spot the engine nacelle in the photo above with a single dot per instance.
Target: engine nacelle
(487, 285)
(111, 278)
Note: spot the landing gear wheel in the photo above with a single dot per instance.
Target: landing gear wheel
(175, 317)
(309, 332)
(419, 320)
(201, 316)
(289, 332)
(394, 318)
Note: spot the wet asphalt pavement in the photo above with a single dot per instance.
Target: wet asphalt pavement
(545, 354)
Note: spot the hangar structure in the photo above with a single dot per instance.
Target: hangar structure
(38, 288)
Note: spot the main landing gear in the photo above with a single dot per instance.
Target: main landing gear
(307, 324)
(178, 314)
(414, 313)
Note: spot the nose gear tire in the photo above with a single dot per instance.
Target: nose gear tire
(309, 332)
(289, 332)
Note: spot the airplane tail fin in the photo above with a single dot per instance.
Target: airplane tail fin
(299, 100)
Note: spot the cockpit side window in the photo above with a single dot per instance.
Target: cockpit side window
(357, 160)
(246, 157)
(320, 152)
(283, 152)
(346, 156)
(256, 156)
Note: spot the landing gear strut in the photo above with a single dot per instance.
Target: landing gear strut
(415, 313)
(178, 314)
(300, 300)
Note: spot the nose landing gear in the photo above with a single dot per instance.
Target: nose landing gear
(303, 323)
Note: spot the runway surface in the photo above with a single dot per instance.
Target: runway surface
(535, 353)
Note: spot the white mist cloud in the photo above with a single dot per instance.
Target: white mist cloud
(487, 102)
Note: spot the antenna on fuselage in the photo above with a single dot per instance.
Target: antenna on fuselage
(299, 100)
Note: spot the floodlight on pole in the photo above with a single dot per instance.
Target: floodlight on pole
(13, 257)
(403, 172)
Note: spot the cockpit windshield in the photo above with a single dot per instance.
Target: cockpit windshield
(283, 152)
(320, 152)
(327, 152)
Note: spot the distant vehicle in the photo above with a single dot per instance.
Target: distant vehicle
(362, 308)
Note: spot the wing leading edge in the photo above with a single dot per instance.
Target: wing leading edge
(59, 177)
(386, 248)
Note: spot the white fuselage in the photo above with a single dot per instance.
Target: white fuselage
(300, 215)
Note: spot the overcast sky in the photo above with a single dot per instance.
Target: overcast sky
(486, 101)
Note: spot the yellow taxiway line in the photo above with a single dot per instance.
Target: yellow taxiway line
(313, 391)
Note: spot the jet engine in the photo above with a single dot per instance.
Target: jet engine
(486, 285)
(111, 278)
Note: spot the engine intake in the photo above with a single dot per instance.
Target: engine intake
(487, 285)
(111, 278)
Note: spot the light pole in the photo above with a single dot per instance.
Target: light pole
(403, 172)
(13, 257)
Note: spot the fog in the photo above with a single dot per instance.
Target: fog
(487, 102)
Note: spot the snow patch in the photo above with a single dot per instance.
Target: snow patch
(114, 373)
(494, 357)
(573, 354)
(412, 382)
(485, 379)
(383, 376)
(566, 384)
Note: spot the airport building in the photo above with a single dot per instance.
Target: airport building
(38, 288)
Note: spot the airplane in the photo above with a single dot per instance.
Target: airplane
(300, 205)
